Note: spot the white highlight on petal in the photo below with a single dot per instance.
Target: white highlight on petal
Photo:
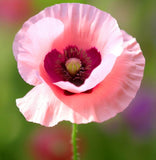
(32, 42)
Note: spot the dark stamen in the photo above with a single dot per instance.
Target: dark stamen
(73, 65)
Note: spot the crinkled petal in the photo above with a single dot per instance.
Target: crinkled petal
(87, 27)
(40, 105)
(115, 92)
(32, 42)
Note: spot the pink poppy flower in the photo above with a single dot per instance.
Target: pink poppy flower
(13, 11)
(50, 144)
(84, 68)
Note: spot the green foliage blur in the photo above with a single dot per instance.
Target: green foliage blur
(111, 140)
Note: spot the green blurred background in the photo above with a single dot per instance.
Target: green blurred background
(130, 135)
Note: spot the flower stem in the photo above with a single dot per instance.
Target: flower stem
(74, 142)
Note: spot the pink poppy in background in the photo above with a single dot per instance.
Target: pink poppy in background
(13, 11)
(50, 144)
(84, 68)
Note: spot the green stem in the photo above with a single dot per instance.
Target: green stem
(74, 142)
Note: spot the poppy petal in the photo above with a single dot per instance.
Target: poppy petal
(87, 27)
(40, 105)
(32, 42)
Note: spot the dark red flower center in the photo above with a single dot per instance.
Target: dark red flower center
(73, 65)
